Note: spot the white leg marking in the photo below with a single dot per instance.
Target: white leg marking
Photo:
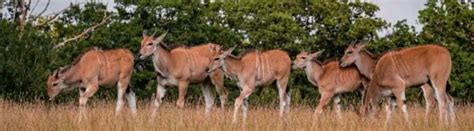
(442, 111)
(132, 102)
(452, 115)
(337, 106)
(245, 109)
(288, 101)
(120, 102)
(282, 101)
(389, 109)
(404, 108)
(427, 102)
(208, 98)
(223, 100)
(161, 91)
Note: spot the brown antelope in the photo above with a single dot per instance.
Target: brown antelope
(183, 66)
(396, 70)
(330, 78)
(94, 68)
(365, 62)
(256, 69)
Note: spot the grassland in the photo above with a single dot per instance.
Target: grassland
(101, 116)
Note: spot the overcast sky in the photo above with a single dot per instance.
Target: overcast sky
(390, 10)
(395, 10)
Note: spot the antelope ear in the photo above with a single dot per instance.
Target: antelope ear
(213, 48)
(159, 38)
(316, 54)
(56, 74)
(144, 33)
(360, 46)
(225, 54)
(228, 52)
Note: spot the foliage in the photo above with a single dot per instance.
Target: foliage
(291, 25)
(452, 24)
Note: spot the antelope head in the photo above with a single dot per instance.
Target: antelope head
(351, 54)
(303, 58)
(55, 83)
(150, 44)
(215, 50)
(218, 61)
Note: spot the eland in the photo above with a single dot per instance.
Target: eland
(183, 66)
(426, 65)
(331, 79)
(254, 69)
(94, 68)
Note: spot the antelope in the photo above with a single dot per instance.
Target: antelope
(330, 78)
(365, 63)
(255, 69)
(94, 68)
(183, 66)
(398, 69)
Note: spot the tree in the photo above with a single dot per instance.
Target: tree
(451, 24)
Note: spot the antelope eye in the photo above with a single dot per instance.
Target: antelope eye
(303, 57)
(350, 52)
(149, 44)
(55, 84)
(217, 58)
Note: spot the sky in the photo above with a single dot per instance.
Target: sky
(396, 10)
(390, 10)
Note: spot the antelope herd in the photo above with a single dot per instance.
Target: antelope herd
(386, 76)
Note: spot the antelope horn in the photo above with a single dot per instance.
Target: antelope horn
(232, 49)
(154, 33)
(352, 43)
(321, 51)
(316, 54)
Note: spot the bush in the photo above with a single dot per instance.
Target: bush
(293, 26)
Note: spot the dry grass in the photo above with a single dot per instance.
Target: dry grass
(101, 117)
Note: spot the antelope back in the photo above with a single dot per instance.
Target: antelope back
(414, 64)
(344, 79)
(267, 65)
(193, 61)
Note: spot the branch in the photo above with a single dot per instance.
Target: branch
(34, 8)
(24, 11)
(44, 10)
(88, 30)
(54, 16)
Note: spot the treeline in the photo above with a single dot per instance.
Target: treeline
(28, 55)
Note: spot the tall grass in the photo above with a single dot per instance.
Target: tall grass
(101, 116)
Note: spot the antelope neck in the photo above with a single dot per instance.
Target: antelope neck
(231, 66)
(366, 64)
(162, 60)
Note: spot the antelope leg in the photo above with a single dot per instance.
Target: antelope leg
(238, 102)
(208, 98)
(183, 88)
(160, 93)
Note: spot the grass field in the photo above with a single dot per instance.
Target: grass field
(101, 116)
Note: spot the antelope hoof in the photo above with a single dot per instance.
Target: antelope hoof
(180, 104)
(234, 121)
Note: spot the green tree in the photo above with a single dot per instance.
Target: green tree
(451, 24)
